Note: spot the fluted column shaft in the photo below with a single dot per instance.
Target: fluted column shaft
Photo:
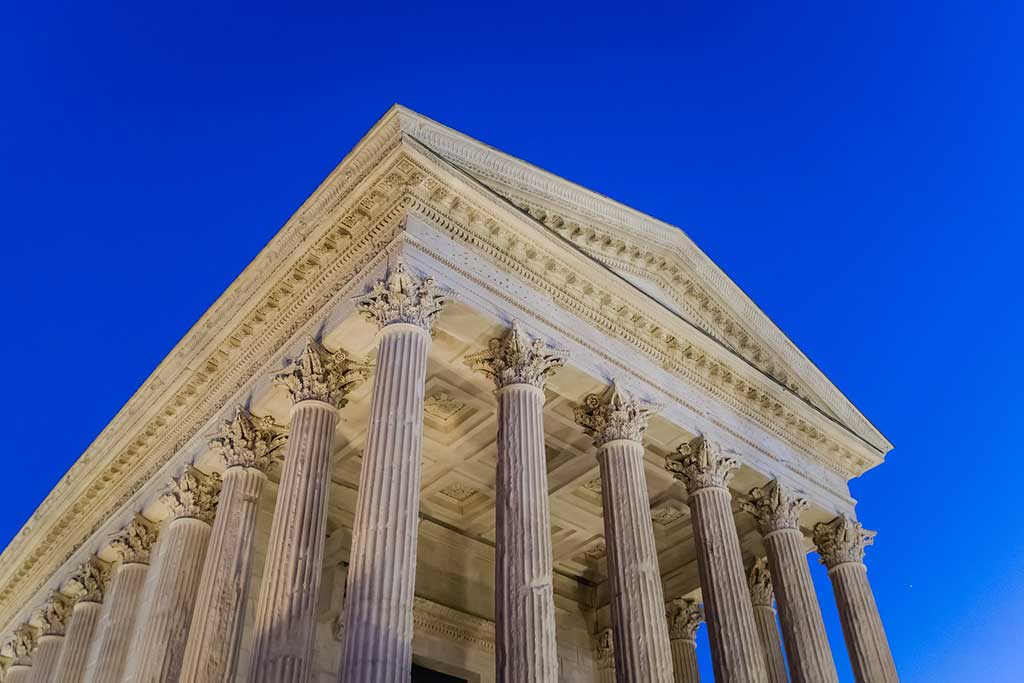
(866, 642)
(108, 654)
(18, 673)
(382, 565)
(85, 615)
(771, 643)
(44, 660)
(286, 612)
(735, 646)
(159, 644)
(642, 650)
(807, 649)
(524, 594)
(684, 661)
(215, 635)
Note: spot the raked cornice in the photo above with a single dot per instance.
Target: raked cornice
(340, 229)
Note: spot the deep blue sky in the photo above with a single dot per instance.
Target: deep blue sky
(856, 169)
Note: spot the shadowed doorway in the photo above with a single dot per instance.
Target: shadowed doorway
(422, 675)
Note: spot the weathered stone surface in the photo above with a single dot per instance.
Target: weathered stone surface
(684, 618)
(74, 656)
(760, 582)
(603, 645)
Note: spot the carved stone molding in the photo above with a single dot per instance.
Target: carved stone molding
(89, 582)
(701, 464)
(51, 618)
(317, 374)
(841, 541)
(684, 618)
(759, 580)
(603, 645)
(774, 507)
(249, 441)
(194, 495)
(614, 415)
(133, 542)
(453, 625)
(402, 297)
(515, 359)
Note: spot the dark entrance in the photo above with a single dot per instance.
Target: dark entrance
(421, 675)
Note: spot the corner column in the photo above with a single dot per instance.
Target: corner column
(618, 422)
(735, 647)
(523, 590)
(841, 544)
(761, 596)
(86, 586)
(248, 445)
(684, 618)
(109, 652)
(285, 624)
(604, 655)
(777, 512)
(159, 643)
(382, 561)
(52, 621)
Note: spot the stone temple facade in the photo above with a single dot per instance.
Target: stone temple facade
(461, 420)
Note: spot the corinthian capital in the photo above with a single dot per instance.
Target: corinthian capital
(320, 375)
(684, 618)
(515, 359)
(842, 540)
(402, 297)
(249, 441)
(133, 542)
(52, 617)
(89, 581)
(614, 415)
(701, 464)
(21, 644)
(193, 495)
(759, 580)
(774, 507)
(604, 649)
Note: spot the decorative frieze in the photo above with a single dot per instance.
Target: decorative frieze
(516, 359)
(774, 507)
(249, 441)
(614, 415)
(133, 542)
(842, 540)
(317, 374)
(702, 464)
(193, 495)
(403, 297)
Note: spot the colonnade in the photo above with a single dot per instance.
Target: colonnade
(172, 606)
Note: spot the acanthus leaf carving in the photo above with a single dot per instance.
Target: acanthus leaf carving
(317, 374)
(684, 618)
(89, 581)
(403, 297)
(614, 415)
(516, 359)
(701, 464)
(51, 618)
(774, 507)
(193, 495)
(20, 645)
(134, 541)
(759, 580)
(249, 441)
(842, 541)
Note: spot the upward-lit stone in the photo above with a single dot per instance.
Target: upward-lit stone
(86, 588)
(684, 618)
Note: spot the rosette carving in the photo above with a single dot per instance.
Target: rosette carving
(759, 580)
(133, 542)
(516, 359)
(701, 464)
(402, 297)
(249, 441)
(684, 618)
(320, 375)
(604, 649)
(89, 581)
(193, 495)
(52, 617)
(842, 540)
(614, 415)
(774, 507)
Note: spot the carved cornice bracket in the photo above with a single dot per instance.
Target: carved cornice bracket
(842, 541)
(249, 441)
(193, 495)
(614, 415)
(321, 375)
(774, 507)
(684, 618)
(701, 464)
(516, 359)
(402, 297)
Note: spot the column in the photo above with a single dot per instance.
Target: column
(86, 587)
(382, 561)
(761, 597)
(159, 644)
(21, 646)
(604, 655)
(285, 626)
(109, 653)
(51, 620)
(735, 648)
(777, 512)
(524, 594)
(248, 445)
(684, 618)
(617, 422)
(841, 544)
